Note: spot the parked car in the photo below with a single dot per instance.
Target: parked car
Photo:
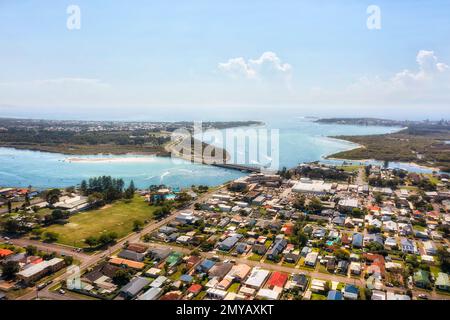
(41, 286)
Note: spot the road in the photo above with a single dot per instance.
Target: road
(360, 177)
(87, 261)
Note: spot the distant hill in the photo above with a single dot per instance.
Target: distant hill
(383, 122)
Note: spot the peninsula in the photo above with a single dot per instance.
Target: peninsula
(422, 142)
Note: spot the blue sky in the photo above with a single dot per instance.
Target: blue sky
(314, 57)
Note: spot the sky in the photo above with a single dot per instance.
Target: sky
(180, 59)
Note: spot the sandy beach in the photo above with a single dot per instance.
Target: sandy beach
(111, 160)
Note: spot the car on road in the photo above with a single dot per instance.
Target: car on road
(61, 291)
(41, 286)
(423, 296)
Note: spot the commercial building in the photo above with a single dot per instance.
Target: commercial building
(40, 270)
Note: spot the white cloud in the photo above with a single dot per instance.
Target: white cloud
(429, 70)
(428, 84)
(267, 66)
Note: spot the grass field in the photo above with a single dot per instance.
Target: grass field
(350, 168)
(118, 217)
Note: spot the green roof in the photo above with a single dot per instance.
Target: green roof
(422, 276)
(174, 258)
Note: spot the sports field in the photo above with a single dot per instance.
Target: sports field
(117, 217)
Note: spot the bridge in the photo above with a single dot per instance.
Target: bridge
(239, 167)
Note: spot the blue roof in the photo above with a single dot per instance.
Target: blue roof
(186, 278)
(334, 295)
(351, 289)
(207, 264)
(357, 239)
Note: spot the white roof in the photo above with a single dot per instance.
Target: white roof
(312, 186)
(39, 267)
(257, 277)
(151, 294)
(269, 294)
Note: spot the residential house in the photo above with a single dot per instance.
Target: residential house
(151, 294)
(135, 286)
(300, 281)
(335, 295)
(357, 240)
(311, 259)
(131, 255)
(276, 249)
(257, 278)
(351, 292)
(422, 279)
(442, 282)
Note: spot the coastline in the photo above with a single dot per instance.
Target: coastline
(411, 164)
(142, 159)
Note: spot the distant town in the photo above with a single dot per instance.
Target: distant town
(313, 232)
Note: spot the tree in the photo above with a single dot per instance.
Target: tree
(27, 199)
(31, 250)
(121, 277)
(137, 225)
(301, 238)
(10, 269)
(444, 258)
(96, 198)
(58, 214)
(52, 196)
(83, 187)
(357, 212)
(315, 204)
(299, 203)
(11, 225)
(129, 192)
(184, 197)
(107, 238)
(342, 254)
(50, 236)
(68, 260)
(378, 198)
(91, 241)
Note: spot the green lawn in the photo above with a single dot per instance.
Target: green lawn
(234, 287)
(200, 296)
(350, 168)
(316, 296)
(255, 257)
(117, 217)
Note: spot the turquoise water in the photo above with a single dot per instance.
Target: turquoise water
(301, 140)
(42, 170)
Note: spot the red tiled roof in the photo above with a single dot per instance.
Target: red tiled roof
(277, 279)
(5, 252)
(195, 288)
